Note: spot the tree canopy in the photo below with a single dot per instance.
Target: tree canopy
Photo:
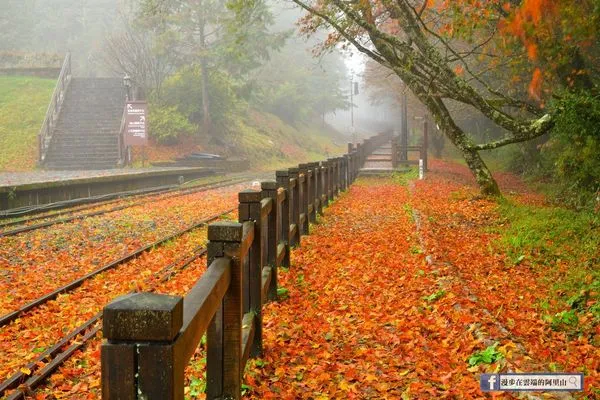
(475, 53)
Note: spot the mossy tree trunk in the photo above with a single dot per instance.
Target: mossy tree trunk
(429, 65)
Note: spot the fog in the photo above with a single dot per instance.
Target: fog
(99, 34)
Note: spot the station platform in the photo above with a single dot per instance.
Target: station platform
(20, 189)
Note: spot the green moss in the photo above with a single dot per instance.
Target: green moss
(23, 105)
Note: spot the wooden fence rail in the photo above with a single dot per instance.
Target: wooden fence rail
(150, 338)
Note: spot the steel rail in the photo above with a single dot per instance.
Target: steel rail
(185, 192)
(11, 316)
(57, 354)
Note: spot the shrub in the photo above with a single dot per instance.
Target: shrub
(575, 142)
(184, 89)
(167, 125)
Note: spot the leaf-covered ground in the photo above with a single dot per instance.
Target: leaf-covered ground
(37, 262)
(382, 307)
(79, 377)
(404, 290)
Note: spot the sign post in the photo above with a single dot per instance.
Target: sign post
(136, 133)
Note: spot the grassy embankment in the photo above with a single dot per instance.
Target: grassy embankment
(264, 139)
(553, 236)
(23, 104)
(267, 141)
(556, 237)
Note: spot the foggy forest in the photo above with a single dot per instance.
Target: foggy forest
(299, 199)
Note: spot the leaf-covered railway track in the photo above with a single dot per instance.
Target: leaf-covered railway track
(72, 214)
(34, 373)
(9, 317)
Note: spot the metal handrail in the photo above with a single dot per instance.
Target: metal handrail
(122, 160)
(58, 97)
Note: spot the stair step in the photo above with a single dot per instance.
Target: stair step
(379, 171)
(86, 136)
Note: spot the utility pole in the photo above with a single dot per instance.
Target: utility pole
(404, 129)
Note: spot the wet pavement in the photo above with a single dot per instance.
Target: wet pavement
(12, 179)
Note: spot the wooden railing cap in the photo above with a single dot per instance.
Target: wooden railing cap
(284, 173)
(249, 196)
(224, 231)
(143, 317)
(268, 185)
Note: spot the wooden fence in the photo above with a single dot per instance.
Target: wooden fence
(151, 337)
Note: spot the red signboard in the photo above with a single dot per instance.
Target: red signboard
(135, 123)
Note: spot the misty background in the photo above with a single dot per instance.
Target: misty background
(278, 73)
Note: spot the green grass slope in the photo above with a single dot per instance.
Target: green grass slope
(23, 104)
(264, 139)
(270, 143)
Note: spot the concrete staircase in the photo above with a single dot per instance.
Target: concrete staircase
(379, 163)
(87, 132)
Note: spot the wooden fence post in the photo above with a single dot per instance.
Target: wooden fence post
(332, 182)
(345, 174)
(350, 170)
(337, 176)
(326, 182)
(283, 181)
(296, 207)
(249, 209)
(359, 150)
(310, 198)
(425, 143)
(340, 185)
(224, 335)
(269, 191)
(139, 357)
(304, 184)
(333, 177)
(315, 194)
(318, 188)
(356, 165)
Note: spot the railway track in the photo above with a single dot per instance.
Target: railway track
(82, 203)
(31, 375)
(9, 317)
(91, 202)
(24, 380)
(146, 199)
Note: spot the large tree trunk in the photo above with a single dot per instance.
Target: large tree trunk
(482, 174)
(206, 118)
(480, 171)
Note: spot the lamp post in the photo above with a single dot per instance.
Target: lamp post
(127, 84)
(353, 92)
